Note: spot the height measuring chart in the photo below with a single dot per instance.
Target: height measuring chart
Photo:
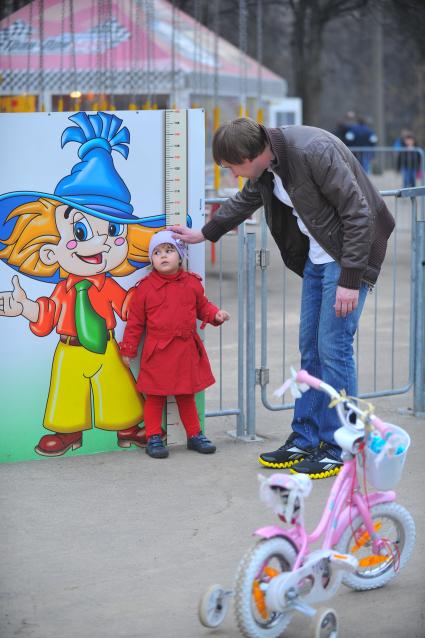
(176, 167)
(176, 207)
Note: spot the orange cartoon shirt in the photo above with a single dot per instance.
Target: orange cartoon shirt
(58, 310)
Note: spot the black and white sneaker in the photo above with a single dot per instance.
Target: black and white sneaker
(287, 455)
(321, 464)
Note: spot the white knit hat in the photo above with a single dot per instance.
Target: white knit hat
(166, 237)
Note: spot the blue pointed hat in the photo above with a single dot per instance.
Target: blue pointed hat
(94, 185)
(94, 182)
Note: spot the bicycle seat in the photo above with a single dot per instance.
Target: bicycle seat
(285, 494)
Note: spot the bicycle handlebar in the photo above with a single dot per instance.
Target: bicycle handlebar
(304, 377)
(317, 384)
(379, 425)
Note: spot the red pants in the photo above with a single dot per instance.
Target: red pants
(154, 405)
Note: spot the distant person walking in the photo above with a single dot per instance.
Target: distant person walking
(357, 132)
(363, 136)
(343, 128)
(409, 161)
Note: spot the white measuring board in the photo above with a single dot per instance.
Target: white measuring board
(176, 172)
(176, 203)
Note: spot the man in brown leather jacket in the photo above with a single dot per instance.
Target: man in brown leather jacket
(332, 227)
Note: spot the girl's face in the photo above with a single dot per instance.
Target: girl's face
(88, 246)
(166, 259)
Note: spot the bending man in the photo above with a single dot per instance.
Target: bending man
(332, 227)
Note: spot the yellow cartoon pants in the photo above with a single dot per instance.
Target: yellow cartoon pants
(78, 375)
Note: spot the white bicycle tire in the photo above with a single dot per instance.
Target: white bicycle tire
(324, 624)
(280, 549)
(405, 526)
(213, 606)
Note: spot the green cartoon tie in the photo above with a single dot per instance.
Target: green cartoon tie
(91, 327)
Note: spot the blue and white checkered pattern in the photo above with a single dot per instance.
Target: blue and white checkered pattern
(18, 37)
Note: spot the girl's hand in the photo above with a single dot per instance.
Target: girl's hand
(126, 360)
(222, 316)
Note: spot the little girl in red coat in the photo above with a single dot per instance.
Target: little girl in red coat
(165, 307)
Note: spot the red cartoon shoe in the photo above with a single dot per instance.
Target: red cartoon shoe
(58, 444)
(132, 436)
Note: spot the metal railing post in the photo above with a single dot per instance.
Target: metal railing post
(240, 419)
(250, 335)
(419, 296)
(239, 410)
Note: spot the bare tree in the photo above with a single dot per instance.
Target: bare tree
(410, 15)
(306, 21)
(309, 20)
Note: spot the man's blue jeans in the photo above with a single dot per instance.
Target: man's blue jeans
(326, 347)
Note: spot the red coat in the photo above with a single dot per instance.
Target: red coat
(174, 360)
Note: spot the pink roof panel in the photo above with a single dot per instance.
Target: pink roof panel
(123, 42)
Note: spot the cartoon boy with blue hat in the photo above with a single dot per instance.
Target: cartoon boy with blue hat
(80, 237)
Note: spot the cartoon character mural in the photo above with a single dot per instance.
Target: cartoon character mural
(80, 237)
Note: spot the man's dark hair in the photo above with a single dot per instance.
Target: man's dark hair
(237, 141)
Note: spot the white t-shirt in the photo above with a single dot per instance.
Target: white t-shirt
(316, 252)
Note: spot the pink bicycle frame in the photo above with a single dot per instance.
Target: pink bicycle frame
(345, 502)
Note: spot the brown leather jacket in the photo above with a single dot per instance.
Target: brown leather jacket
(332, 195)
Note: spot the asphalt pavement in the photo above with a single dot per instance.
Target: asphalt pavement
(119, 545)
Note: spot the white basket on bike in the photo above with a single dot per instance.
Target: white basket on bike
(385, 457)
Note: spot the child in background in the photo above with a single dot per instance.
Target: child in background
(174, 362)
(409, 162)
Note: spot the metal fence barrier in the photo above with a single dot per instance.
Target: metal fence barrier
(238, 410)
(403, 163)
(390, 344)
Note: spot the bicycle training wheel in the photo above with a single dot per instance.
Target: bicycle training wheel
(324, 624)
(213, 606)
(266, 560)
(395, 525)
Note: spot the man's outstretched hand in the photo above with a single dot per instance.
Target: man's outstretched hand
(188, 235)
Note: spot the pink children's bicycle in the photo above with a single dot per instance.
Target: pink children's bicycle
(365, 537)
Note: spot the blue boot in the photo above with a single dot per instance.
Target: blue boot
(156, 448)
(200, 444)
